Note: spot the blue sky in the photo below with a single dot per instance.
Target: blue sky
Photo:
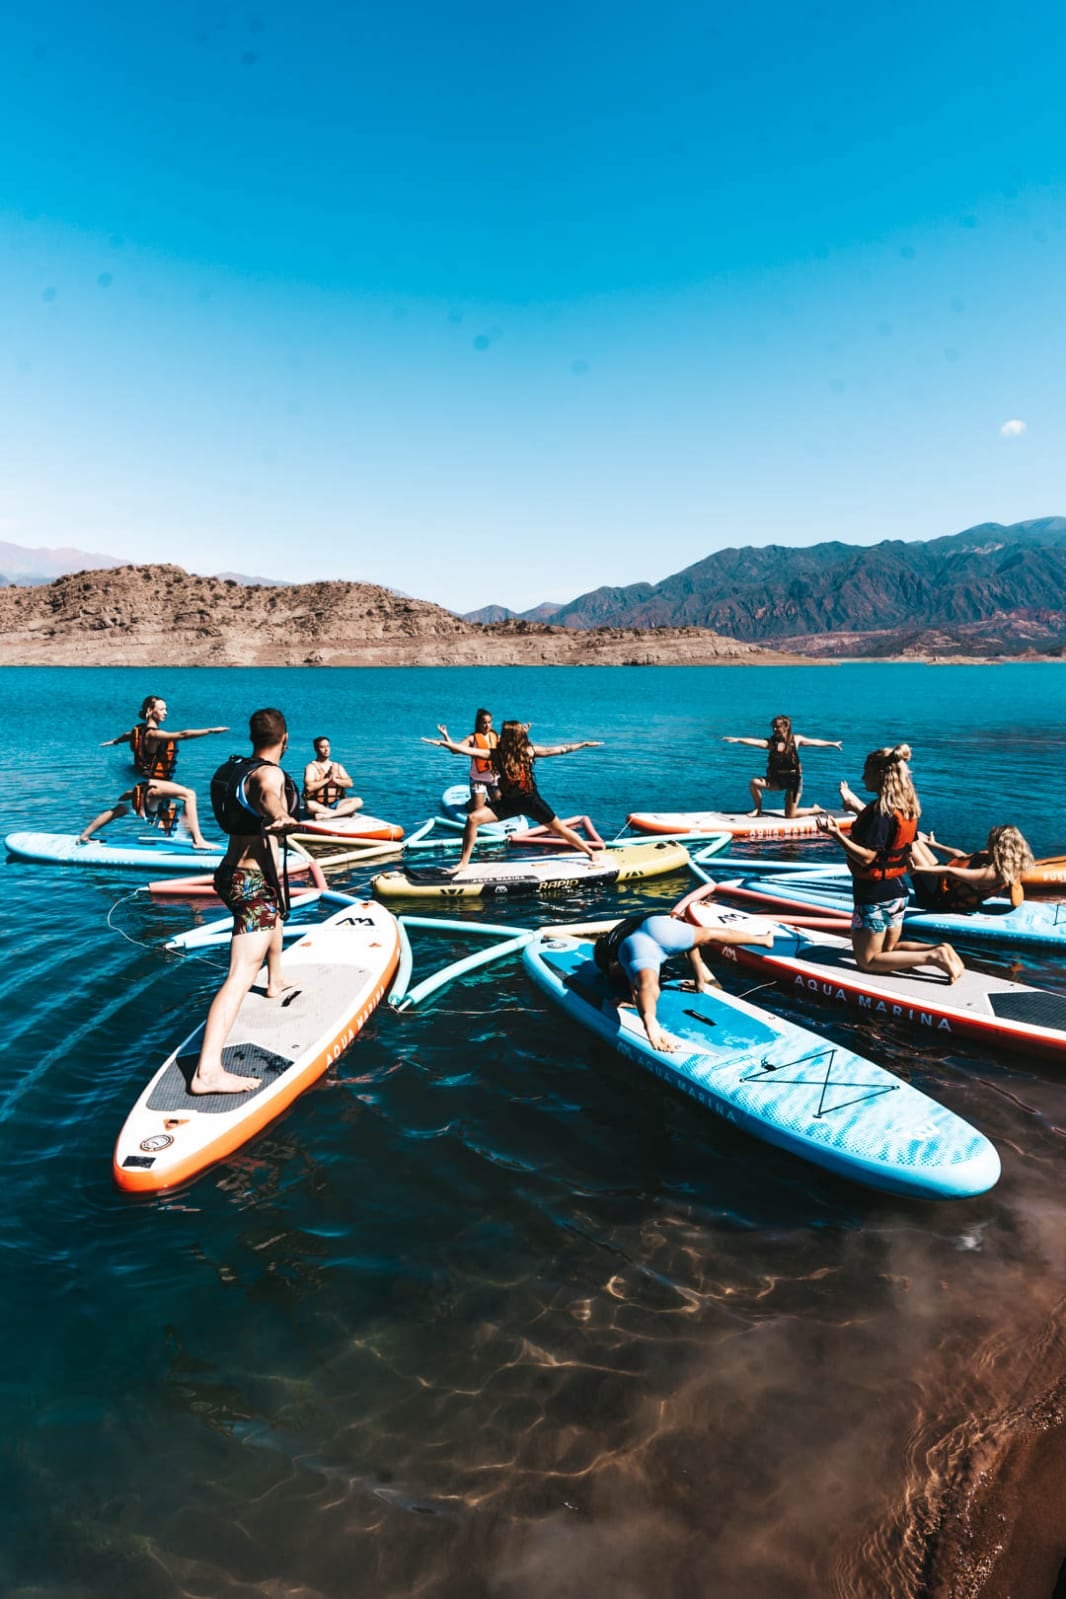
(499, 303)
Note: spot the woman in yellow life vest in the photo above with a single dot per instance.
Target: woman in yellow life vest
(479, 745)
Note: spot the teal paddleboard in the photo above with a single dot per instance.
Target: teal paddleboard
(779, 1081)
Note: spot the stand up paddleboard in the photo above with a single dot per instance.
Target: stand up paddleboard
(996, 1012)
(551, 874)
(339, 971)
(357, 826)
(1045, 877)
(1030, 924)
(63, 849)
(779, 1081)
(773, 825)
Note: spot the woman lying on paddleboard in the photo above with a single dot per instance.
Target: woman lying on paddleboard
(634, 950)
(783, 770)
(512, 763)
(155, 755)
(878, 852)
(964, 882)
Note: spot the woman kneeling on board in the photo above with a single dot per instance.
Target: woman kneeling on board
(636, 947)
(512, 762)
(255, 803)
(784, 774)
(878, 852)
(964, 882)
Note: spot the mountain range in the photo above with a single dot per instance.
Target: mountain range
(990, 589)
(22, 567)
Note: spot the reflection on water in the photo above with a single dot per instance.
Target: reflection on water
(490, 1312)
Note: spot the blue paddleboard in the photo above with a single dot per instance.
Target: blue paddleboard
(1031, 923)
(778, 1081)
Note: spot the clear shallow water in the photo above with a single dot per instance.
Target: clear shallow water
(490, 1311)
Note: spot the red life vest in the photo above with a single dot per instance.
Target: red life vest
(892, 861)
(484, 741)
(157, 759)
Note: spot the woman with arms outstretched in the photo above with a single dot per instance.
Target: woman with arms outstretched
(784, 774)
(512, 762)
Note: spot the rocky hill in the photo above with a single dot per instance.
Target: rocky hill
(991, 589)
(163, 616)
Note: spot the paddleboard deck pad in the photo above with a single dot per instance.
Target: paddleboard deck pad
(338, 973)
(779, 1082)
(993, 1010)
(1033, 924)
(550, 874)
(773, 825)
(162, 854)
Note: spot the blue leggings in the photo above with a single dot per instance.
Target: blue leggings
(653, 942)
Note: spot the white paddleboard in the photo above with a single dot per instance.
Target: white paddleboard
(339, 971)
(769, 825)
(160, 854)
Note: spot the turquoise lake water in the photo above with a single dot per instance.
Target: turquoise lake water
(490, 1311)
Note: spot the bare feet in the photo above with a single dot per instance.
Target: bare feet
(756, 813)
(949, 961)
(280, 991)
(203, 844)
(221, 1082)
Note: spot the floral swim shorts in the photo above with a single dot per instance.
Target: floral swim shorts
(246, 893)
(880, 917)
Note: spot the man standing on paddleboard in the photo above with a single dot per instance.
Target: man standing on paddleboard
(255, 803)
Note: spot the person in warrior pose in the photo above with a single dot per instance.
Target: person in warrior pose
(255, 804)
(512, 762)
(783, 770)
(326, 785)
(634, 950)
(479, 745)
(878, 853)
(963, 882)
(155, 755)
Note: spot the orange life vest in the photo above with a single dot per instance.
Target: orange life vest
(892, 861)
(483, 767)
(157, 760)
(331, 794)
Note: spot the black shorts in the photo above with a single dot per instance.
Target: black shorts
(531, 805)
(791, 787)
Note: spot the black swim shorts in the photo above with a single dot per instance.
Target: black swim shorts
(530, 804)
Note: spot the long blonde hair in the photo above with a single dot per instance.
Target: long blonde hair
(1010, 853)
(891, 777)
